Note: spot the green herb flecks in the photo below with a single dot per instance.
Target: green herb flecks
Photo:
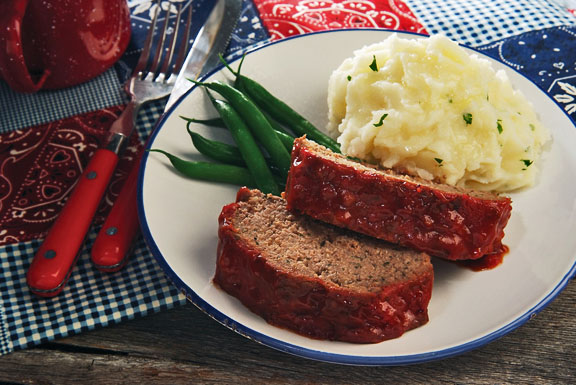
(374, 66)
(381, 121)
(349, 77)
(467, 118)
(532, 127)
(439, 161)
(527, 163)
(499, 126)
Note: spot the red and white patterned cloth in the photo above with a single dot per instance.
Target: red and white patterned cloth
(284, 18)
(40, 166)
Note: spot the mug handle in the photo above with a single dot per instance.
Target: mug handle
(13, 67)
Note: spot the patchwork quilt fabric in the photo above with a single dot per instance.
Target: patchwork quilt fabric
(46, 139)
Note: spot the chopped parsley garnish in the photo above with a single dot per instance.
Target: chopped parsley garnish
(373, 65)
(450, 100)
(527, 162)
(532, 127)
(349, 77)
(439, 161)
(381, 121)
(467, 118)
(499, 126)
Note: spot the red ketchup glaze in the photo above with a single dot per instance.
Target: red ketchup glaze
(312, 307)
(487, 262)
(444, 224)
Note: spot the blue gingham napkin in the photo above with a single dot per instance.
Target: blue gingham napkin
(536, 37)
(478, 22)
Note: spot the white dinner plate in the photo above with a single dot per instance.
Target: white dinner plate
(468, 309)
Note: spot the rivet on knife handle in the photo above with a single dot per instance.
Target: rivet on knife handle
(56, 256)
(111, 248)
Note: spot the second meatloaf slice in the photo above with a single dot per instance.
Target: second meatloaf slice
(441, 220)
(318, 280)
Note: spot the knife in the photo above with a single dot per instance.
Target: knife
(212, 40)
(110, 249)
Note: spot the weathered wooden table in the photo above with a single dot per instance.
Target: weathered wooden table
(184, 345)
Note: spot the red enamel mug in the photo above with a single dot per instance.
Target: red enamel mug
(51, 44)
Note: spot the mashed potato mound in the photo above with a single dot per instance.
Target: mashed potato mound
(428, 108)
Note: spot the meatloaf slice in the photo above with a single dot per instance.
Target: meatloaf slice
(442, 220)
(316, 279)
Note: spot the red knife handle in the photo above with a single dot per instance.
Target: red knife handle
(55, 258)
(111, 248)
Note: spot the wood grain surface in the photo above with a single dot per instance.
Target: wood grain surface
(185, 346)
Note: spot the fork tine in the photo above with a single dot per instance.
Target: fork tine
(154, 73)
(155, 65)
(183, 51)
(165, 70)
(143, 59)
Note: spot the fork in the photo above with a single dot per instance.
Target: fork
(155, 80)
(152, 79)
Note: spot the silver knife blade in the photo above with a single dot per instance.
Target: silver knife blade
(212, 40)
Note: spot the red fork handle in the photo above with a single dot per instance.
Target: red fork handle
(111, 249)
(55, 258)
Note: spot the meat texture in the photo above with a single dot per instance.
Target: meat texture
(316, 279)
(442, 220)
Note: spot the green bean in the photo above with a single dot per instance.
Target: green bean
(214, 172)
(247, 146)
(227, 153)
(277, 109)
(256, 122)
(215, 122)
(286, 138)
(222, 152)
(283, 113)
(277, 126)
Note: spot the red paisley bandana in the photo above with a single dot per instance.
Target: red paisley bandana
(284, 18)
(39, 166)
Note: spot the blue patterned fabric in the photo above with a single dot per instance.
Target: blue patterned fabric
(477, 22)
(547, 57)
(93, 299)
(24, 110)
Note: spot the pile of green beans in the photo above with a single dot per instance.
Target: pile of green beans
(256, 121)
(278, 110)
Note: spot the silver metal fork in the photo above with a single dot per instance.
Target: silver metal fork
(154, 76)
(111, 248)
(152, 79)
